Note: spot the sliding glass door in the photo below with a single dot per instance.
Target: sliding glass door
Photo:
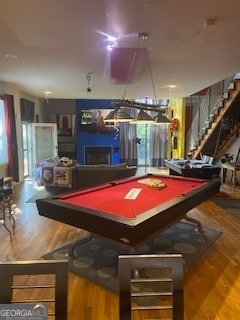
(27, 150)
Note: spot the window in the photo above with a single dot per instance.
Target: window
(144, 147)
(143, 133)
(3, 136)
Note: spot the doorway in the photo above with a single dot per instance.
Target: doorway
(27, 149)
(143, 150)
(39, 143)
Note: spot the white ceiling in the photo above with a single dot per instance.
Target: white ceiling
(58, 42)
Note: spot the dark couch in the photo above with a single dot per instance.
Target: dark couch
(84, 176)
(92, 175)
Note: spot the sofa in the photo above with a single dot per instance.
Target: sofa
(92, 175)
(60, 179)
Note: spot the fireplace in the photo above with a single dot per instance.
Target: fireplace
(98, 155)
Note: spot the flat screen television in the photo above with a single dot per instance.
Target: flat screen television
(92, 120)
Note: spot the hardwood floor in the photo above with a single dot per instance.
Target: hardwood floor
(211, 286)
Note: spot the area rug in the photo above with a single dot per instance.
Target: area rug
(221, 195)
(42, 194)
(97, 261)
(231, 205)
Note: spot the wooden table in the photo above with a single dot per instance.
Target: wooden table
(233, 167)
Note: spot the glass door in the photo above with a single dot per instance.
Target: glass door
(26, 147)
(44, 141)
(143, 148)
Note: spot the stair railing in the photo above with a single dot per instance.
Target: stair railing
(202, 117)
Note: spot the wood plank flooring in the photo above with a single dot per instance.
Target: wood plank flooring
(211, 286)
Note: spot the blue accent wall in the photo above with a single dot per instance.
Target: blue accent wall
(86, 138)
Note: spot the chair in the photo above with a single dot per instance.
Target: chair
(36, 282)
(152, 285)
(6, 211)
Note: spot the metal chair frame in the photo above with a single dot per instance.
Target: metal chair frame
(130, 267)
(37, 278)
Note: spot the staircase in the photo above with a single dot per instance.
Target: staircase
(222, 126)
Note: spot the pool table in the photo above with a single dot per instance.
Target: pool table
(130, 211)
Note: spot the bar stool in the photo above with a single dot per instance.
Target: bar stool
(6, 211)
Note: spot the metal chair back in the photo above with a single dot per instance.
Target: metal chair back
(41, 282)
(152, 285)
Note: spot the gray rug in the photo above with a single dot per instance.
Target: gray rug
(42, 194)
(232, 206)
(96, 260)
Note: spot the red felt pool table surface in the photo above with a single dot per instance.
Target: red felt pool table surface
(112, 198)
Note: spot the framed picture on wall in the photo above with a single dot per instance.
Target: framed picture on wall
(65, 124)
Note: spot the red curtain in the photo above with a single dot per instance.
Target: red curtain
(11, 136)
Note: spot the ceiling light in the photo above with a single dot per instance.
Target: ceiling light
(11, 56)
(209, 22)
(143, 117)
(118, 115)
(123, 116)
(110, 117)
(172, 86)
(160, 118)
(111, 42)
(47, 93)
